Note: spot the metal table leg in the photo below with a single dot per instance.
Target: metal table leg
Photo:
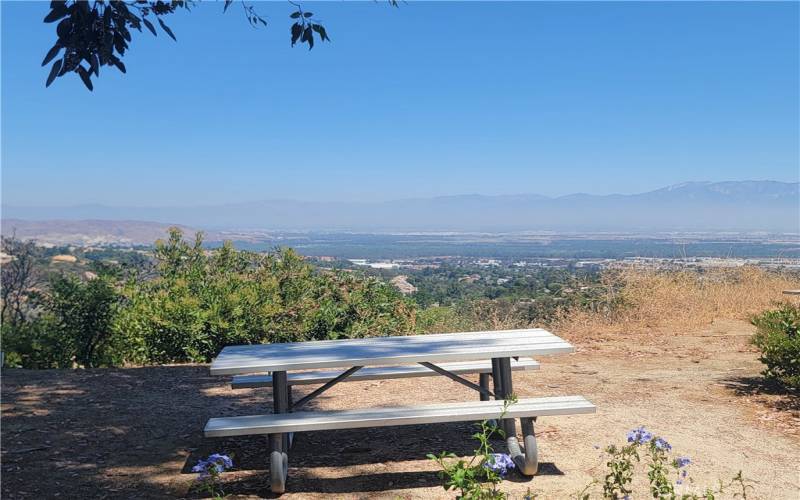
(501, 371)
(278, 458)
(525, 457)
(483, 379)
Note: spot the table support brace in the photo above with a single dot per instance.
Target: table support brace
(325, 387)
(452, 376)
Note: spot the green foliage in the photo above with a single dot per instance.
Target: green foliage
(83, 315)
(35, 344)
(778, 339)
(473, 478)
(72, 325)
(202, 301)
(96, 34)
(618, 479)
(666, 474)
(442, 319)
(193, 303)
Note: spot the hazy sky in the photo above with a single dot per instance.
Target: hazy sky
(426, 99)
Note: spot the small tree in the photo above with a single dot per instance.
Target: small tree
(83, 314)
(19, 278)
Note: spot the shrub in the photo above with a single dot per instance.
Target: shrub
(196, 302)
(201, 301)
(83, 314)
(73, 325)
(779, 342)
(35, 343)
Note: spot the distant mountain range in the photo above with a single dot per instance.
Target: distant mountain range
(769, 206)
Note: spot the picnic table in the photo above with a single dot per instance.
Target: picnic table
(491, 354)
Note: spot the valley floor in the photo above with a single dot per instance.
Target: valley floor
(136, 432)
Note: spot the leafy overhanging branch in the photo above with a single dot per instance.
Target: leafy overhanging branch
(91, 34)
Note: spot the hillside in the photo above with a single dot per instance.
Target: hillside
(88, 232)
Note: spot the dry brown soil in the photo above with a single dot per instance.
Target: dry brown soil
(135, 432)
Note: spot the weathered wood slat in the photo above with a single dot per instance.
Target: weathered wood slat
(383, 417)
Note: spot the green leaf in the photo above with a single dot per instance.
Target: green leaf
(53, 72)
(116, 62)
(320, 29)
(227, 4)
(307, 14)
(51, 53)
(295, 15)
(166, 28)
(64, 27)
(297, 30)
(150, 26)
(95, 64)
(87, 80)
(59, 10)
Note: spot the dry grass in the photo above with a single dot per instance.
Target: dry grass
(637, 300)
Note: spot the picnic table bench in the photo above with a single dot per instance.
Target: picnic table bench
(455, 354)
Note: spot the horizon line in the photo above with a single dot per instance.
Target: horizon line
(390, 200)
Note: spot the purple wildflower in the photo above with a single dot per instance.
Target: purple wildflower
(216, 462)
(662, 444)
(639, 436)
(682, 461)
(225, 459)
(201, 466)
(500, 463)
(678, 482)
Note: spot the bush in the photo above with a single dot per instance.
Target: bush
(202, 301)
(35, 343)
(83, 315)
(777, 338)
(196, 302)
(73, 325)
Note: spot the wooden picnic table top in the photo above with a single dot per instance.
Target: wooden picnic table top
(396, 350)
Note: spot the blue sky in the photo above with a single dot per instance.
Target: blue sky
(423, 100)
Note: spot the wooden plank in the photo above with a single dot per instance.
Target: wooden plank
(378, 373)
(383, 417)
(450, 347)
(791, 292)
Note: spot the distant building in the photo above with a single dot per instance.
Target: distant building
(383, 265)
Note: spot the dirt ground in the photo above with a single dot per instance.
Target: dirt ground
(136, 432)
